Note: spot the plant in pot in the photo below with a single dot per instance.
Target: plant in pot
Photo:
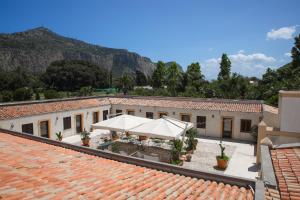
(85, 138)
(176, 152)
(222, 159)
(59, 136)
(191, 142)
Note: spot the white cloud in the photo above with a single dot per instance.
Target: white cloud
(246, 64)
(241, 51)
(288, 54)
(282, 33)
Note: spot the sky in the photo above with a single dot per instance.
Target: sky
(255, 34)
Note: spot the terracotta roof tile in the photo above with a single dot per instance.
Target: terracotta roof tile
(22, 110)
(233, 106)
(286, 164)
(34, 170)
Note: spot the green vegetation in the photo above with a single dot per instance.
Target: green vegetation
(81, 78)
(176, 151)
(191, 141)
(59, 136)
(223, 156)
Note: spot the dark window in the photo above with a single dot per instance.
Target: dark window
(130, 112)
(105, 114)
(27, 128)
(44, 129)
(186, 118)
(67, 123)
(245, 125)
(160, 115)
(149, 115)
(118, 112)
(201, 122)
(95, 117)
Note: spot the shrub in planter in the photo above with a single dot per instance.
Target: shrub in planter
(59, 136)
(222, 159)
(85, 138)
(191, 141)
(176, 151)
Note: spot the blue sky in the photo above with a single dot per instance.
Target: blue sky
(256, 34)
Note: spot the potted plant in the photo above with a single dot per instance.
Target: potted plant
(85, 138)
(59, 136)
(191, 141)
(176, 152)
(222, 159)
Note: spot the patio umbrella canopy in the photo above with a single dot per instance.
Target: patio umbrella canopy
(121, 123)
(163, 128)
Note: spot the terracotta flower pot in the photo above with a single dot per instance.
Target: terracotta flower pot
(86, 142)
(222, 164)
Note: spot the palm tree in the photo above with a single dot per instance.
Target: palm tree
(126, 81)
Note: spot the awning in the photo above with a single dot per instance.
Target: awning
(121, 123)
(164, 128)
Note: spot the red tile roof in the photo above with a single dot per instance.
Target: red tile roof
(214, 105)
(34, 170)
(286, 164)
(23, 110)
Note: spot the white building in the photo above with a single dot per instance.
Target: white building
(212, 117)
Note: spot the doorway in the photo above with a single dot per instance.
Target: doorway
(44, 129)
(78, 123)
(227, 127)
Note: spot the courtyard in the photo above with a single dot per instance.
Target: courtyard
(242, 160)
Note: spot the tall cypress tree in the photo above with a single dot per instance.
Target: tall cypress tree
(225, 67)
(158, 76)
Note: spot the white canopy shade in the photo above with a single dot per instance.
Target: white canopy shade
(121, 123)
(164, 128)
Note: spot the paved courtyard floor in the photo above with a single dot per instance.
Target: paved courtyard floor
(241, 164)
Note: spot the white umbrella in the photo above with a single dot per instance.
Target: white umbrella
(164, 128)
(121, 123)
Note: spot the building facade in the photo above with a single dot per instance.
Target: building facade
(213, 118)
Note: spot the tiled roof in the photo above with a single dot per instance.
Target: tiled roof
(286, 164)
(234, 106)
(34, 170)
(23, 110)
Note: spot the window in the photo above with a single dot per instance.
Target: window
(119, 112)
(201, 122)
(185, 118)
(95, 117)
(130, 112)
(67, 123)
(245, 125)
(149, 115)
(161, 114)
(44, 129)
(27, 128)
(105, 114)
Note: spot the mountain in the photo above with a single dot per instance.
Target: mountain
(35, 49)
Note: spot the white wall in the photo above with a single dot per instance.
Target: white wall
(289, 112)
(213, 119)
(56, 121)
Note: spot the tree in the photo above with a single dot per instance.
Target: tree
(194, 76)
(296, 53)
(72, 75)
(225, 66)
(126, 82)
(173, 78)
(158, 76)
(22, 94)
(140, 78)
(86, 91)
(51, 94)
